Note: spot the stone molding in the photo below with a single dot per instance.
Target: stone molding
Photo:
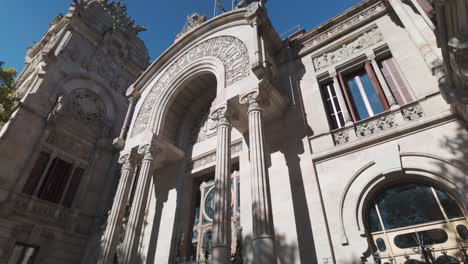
(210, 158)
(377, 124)
(231, 51)
(363, 16)
(364, 41)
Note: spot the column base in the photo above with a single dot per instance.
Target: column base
(264, 250)
(220, 255)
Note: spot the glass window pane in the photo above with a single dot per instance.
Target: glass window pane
(462, 231)
(427, 238)
(54, 184)
(374, 223)
(372, 95)
(449, 205)
(209, 207)
(381, 245)
(357, 99)
(396, 210)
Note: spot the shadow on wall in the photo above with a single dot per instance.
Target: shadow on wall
(286, 253)
(458, 147)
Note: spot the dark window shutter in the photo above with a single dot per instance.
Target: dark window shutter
(73, 187)
(397, 83)
(36, 173)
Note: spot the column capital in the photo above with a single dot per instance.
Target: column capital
(256, 100)
(148, 151)
(222, 115)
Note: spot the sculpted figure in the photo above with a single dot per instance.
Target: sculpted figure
(458, 50)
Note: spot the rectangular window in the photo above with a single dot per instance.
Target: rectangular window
(364, 95)
(50, 177)
(396, 81)
(332, 105)
(23, 254)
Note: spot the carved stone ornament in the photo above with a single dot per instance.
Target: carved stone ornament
(412, 112)
(351, 22)
(458, 50)
(86, 106)
(364, 41)
(211, 158)
(221, 116)
(376, 125)
(231, 51)
(204, 128)
(255, 100)
(193, 21)
(341, 137)
(246, 3)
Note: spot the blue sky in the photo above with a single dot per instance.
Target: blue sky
(24, 21)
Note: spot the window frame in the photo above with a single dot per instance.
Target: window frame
(25, 246)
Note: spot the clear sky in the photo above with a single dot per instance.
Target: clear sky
(25, 21)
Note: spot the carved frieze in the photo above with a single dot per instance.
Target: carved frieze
(364, 41)
(353, 21)
(375, 125)
(231, 51)
(341, 137)
(211, 158)
(412, 112)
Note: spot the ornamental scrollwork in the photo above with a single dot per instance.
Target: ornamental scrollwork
(378, 124)
(255, 100)
(222, 116)
(230, 50)
(342, 27)
(341, 137)
(412, 112)
(364, 41)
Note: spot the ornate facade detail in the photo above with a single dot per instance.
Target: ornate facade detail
(86, 106)
(205, 128)
(341, 137)
(376, 125)
(364, 41)
(26, 205)
(349, 23)
(193, 21)
(211, 158)
(230, 50)
(412, 112)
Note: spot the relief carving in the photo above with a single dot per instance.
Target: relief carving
(230, 50)
(364, 41)
(347, 24)
(373, 126)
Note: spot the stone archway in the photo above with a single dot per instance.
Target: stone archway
(229, 52)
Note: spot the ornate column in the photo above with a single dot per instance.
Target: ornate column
(388, 94)
(222, 197)
(263, 235)
(115, 218)
(341, 100)
(138, 209)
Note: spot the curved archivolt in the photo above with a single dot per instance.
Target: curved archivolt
(231, 51)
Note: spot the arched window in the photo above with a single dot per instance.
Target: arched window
(416, 223)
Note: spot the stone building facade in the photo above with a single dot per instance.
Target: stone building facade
(334, 145)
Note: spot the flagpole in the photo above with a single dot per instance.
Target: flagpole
(214, 9)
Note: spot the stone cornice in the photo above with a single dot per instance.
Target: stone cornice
(338, 26)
